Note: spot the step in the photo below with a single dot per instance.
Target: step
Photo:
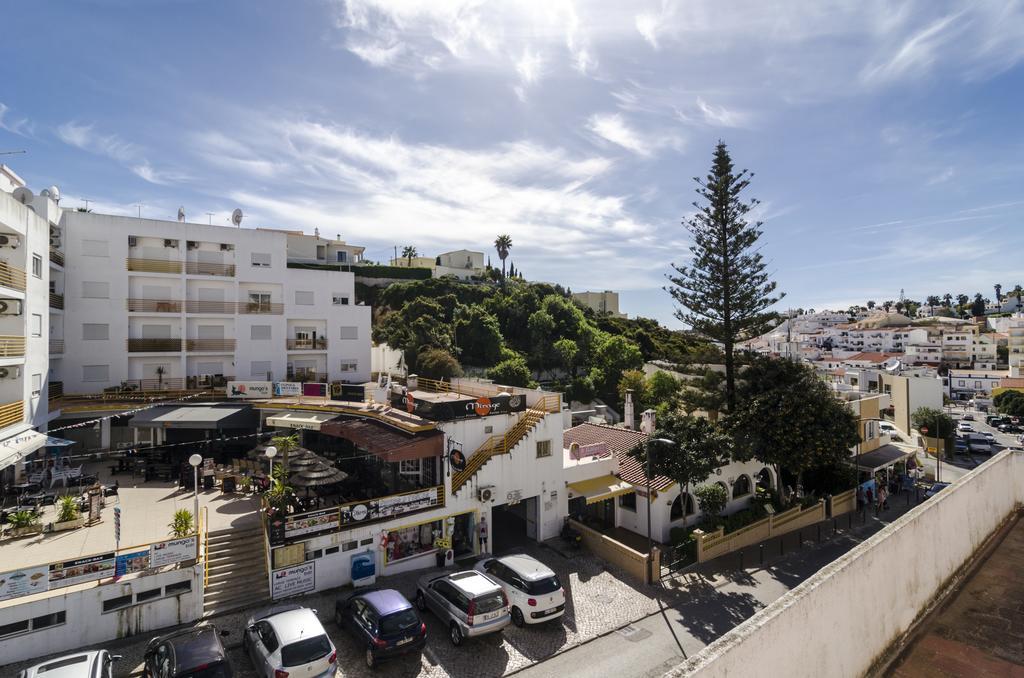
(217, 609)
(230, 574)
(225, 588)
(235, 536)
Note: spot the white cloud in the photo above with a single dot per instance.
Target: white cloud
(21, 127)
(916, 53)
(613, 128)
(114, 147)
(942, 177)
(720, 116)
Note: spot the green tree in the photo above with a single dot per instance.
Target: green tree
(706, 393)
(978, 306)
(871, 305)
(613, 356)
(663, 392)
(930, 417)
(418, 325)
(999, 293)
(285, 446)
(1010, 403)
(712, 500)
(788, 418)
(567, 351)
(542, 339)
(932, 301)
(503, 243)
(436, 363)
(635, 381)
(724, 293)
(512, 372)
(478, 336)
(408, 252)
(947, 300)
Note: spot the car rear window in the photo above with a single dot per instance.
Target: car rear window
(305, 651)
(489, 602)
(217, 670)
(399, 621)
(543, 586)
(62, 664)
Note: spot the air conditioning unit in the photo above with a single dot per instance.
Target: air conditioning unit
(168, 242)
(13, 372)
(11, 241)
(227, 247)
(10, 307)
(485, 494)
(191, 244)
(133, 241)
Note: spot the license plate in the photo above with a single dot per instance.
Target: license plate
(403, 641)
(490, 615)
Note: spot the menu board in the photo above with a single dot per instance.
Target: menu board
(128, 563)
(311, 523)
(172, 551)
(24, 582)
(73, 572)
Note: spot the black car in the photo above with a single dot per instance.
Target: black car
(191, 653)
(383, 622)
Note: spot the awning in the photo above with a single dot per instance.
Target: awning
(884, 456)
(386, 442)
(305, 420)
(600, 488)
(58, 442)
(17, 447)
(208, 417)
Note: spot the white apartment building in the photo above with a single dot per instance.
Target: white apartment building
(1015, 345)
(463, 264)
(602, 302)
(153, 304)
(25, 276)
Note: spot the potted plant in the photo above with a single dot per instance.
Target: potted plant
(246, 484)
(24, 523)
(183, 524)
(68, 515)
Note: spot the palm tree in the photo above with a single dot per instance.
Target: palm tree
(871, 304)
(932, 302)
(503, 244)
(409, 252)
(947, 300)
(284, 445)
(999, 293)
(887, 305)
(1017, 292)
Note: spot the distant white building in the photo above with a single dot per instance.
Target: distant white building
(463, 264)
(602, 302)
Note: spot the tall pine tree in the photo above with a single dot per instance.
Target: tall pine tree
(724, 294)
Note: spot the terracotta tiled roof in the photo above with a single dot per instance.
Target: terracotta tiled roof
(620, 441)
(1012, 382)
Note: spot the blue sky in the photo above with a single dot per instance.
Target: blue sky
(886, 138)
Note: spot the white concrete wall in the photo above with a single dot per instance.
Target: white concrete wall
(87, 624)
(864, 601)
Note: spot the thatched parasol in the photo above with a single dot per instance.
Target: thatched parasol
(317, 475)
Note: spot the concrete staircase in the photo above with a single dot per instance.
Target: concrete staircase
(236, 570)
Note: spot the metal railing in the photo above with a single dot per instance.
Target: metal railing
(56, 301)
(154, 345)
(204, 382)
(317, 344)
(11, 346)
(209, 344)
(209, 268)
(497, 444)
(153, 265)
(303, 376)
(199, 306)
(57, 257)
(55, 390)
(12, 276)
(258, 307)
(136, 305)
(144, 385)
(12, 413)
(56, 346)
(203, 543)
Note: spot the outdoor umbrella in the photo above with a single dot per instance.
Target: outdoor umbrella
(316, 475)
(302, 458)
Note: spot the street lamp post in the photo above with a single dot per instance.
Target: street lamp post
(271, 452)
(195, 460)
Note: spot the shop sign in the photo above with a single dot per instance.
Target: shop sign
(463, 408)
(311, 523)
(577, 451)
(287, 388)
(249, 389)
(387, 507)
(24, 582)
(315, 390)
(82, 570)
(172, 551)
(128, 563)
(292, 581)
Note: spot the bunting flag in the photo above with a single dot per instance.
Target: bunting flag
(93, 422)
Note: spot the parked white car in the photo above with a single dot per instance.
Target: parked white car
(532, 587)
(965, 427)
(289, 640)
(94, 664)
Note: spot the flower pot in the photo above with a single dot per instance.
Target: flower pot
(25, 531)
(69, 524)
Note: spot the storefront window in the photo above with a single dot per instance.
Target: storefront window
(406, 542)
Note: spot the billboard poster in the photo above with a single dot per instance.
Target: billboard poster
(387, 507)
(24, 582)
(172, 551)
(127, 563)
(73, 572)
(249, 389)
(311, 523)
(292, 581)
(287, 388)
(461, 408)
(315, 390)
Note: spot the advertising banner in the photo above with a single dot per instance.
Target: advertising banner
(311, 523)
(387, 507)
(128, 563)
(249, 389)
(287, 388)
(315, 390)
(463, 408)
(172, 551)
(24, 582)
(292, 581)
(73, 572)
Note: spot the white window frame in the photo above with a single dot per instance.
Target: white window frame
(37, 265)
(261, 259)
(348, 365)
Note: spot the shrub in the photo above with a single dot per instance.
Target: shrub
(23, 519)
(67, 510)
(182, 525)
(436, 363)
(712, 499)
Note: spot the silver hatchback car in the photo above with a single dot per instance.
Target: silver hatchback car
(470, 603)
(288, 640)
(94, 664)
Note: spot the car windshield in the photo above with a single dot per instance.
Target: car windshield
(399, 621)
(489, 602)
(218, 670)
(305, 651)
(543, 586)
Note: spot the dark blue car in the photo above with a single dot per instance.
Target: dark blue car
(383, 622)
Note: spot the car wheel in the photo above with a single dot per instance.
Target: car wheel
(371, 661)
(421, 602)
(455, 634)
(517, 617)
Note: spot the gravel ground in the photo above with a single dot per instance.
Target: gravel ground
(598, 600)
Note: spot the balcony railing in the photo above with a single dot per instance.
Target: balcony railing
(56, 346)
(198, 306)
(11, 346)
(143, 385)
(209, 268)
(153, 265)
(154, 345)
(57, 257)
(317, 344)
(12, 413)
(304, 376)
(209, 344)
(12, 277)
(55, 394)
(57, 301)
(137, 305)
(206, 381)
(261, 307)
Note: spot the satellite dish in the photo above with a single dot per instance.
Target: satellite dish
(181, 214)
(236, 217)
(23, 195)
(54, 193)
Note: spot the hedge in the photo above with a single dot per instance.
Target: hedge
(369, 271)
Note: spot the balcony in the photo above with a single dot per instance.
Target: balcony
(209, 268)
(223, 307)
(315, 344)
(153, 265)
(57, 257)
(55, 394)
(136, 305)
(210, 345)
(154, 345)
(261, 307)
(56, 346)
(12, 277)
(205, 381)
(12, 413)
(146, 385)
(306, 375)
(57, 301)
(11, 346)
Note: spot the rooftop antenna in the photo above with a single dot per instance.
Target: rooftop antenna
(209, 216)
(236, 217)
(12, 152)
(138, 208)
(87, 201)
(181, 213)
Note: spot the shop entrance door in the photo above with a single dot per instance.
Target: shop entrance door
(514, 525)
